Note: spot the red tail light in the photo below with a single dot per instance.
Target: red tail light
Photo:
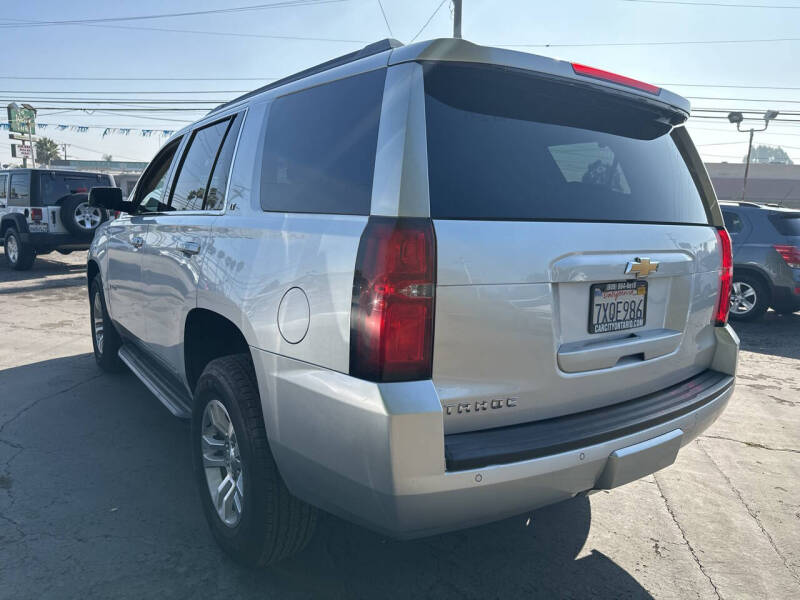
(615, 78)
(36, 214)
(725, 277)
(790, 254)
(391, 321)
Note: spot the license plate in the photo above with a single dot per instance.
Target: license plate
(38, 227)
(617, 305)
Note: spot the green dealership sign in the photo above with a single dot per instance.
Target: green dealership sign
(21, 119)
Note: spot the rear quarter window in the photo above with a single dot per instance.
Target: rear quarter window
(20, 190)
(788, 225)
(506, 145)
(733, 222)
(320, 144)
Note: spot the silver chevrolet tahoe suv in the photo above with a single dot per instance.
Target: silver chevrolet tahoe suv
(421, 287)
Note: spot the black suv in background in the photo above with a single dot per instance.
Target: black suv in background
(766, 259)
(42, 210)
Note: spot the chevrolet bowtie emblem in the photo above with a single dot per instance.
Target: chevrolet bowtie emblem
(641, 267)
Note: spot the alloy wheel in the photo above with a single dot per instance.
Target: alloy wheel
(87, 217)
(222, 463)
(12, 249)
(743, 298)
(97, 321)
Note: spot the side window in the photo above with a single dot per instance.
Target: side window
(3, 193)
(150, 189)
(319, 154)
(195, 171)
(733, 223)
(20, 193)
(215, 197)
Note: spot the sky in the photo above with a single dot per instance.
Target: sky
(59, 68)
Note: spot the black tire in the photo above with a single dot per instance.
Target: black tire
(80, 227)
(22, 258)
(762, 298)
(105, 353)
(273, 524)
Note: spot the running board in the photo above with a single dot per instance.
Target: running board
(169, 392)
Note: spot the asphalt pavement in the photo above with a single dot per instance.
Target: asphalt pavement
(97, 498)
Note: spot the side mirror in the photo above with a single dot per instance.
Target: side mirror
(109, 198)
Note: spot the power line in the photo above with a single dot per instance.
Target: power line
(212, 101)
(206, 32)
(433, 14)
(721, 85)
(118, 92)
(233, 34)
(59, 78)
(626, 44)
(720, 117)
(90, 110)
(682, 3)
(383, 12)
(743, 99)
(236, 9)
(750, 111)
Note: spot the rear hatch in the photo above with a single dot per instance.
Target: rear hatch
(576, 264)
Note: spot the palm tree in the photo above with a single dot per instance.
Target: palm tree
(46, 151)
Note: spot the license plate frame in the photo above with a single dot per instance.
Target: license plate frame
(38, 227)
(617, 325)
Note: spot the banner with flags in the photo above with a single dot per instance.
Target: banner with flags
(106, 130)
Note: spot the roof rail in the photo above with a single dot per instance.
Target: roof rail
(368, 50)
(741, 203)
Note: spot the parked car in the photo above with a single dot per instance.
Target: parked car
(766, 259)
(421, 287)
(44, 210)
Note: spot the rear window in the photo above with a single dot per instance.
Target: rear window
(54, 186)
(506, 145)
(319, 153)
(787, 224)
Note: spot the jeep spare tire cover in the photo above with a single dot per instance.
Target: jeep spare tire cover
(80, 218)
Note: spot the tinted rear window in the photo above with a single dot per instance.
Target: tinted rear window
(54, 186)
(320, 147)
(787, 224)
(506, 145)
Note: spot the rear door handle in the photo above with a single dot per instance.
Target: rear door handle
(137, 241)
(189, 247)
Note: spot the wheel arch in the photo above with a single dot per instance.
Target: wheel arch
(15, 220)
(92, 271)
(208, 335)
(757, 273)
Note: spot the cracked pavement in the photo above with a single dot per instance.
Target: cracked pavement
(97, 498)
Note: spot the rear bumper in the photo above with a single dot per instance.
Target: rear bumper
(375, 453)
(47, 242)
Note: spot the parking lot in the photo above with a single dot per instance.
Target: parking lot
(97, 498)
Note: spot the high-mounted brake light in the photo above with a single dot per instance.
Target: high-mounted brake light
(725, 277)
(615, 78)
(790, 254)
(391, 321)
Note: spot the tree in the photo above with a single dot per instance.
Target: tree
(46, 151)
(107, 158)
(769, 154)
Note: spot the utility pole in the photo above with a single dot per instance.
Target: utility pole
(64, 146)
(30, 140)
(457, 19)
(737, 118)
